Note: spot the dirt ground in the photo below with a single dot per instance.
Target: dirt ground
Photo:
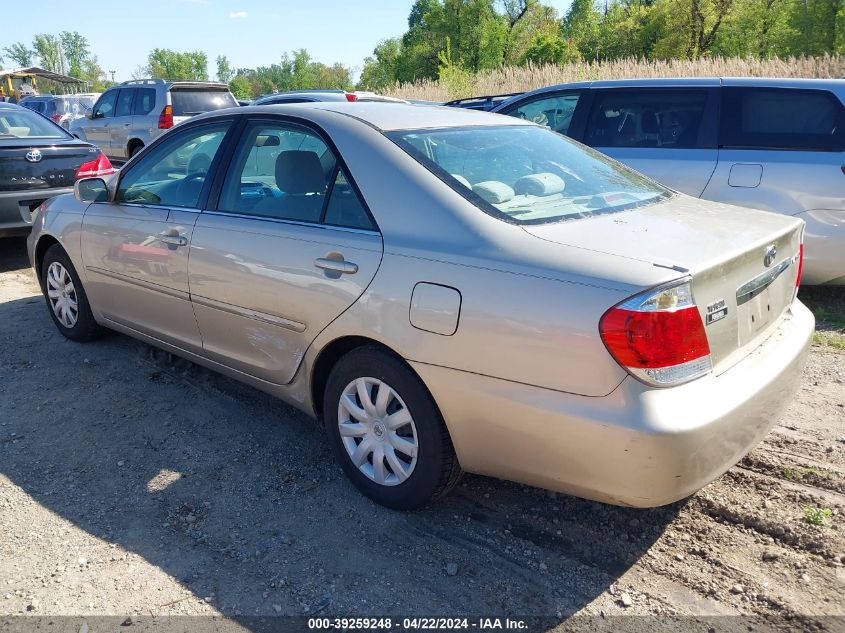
(133, 483)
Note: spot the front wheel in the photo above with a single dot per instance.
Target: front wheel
(387, 432)
(66, 298)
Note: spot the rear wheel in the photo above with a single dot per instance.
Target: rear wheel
(66, 298)
(137, 147)
(387, 432)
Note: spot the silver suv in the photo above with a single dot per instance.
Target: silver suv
(771, 144)
(129, 116)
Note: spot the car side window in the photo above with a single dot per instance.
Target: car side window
(781, 118)
(145, 101)
(173, 174)
(345, 207)
(279, 171)
(105, 106)
(554, 110)
(646, 118)
(124, 102)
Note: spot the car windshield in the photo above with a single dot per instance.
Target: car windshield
(528, 175)
(188, 102)
(27, 124)
(74, 105)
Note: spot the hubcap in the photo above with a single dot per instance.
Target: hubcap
(62, 295)
(378, 431)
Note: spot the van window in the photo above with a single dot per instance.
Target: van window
(124, 102)
(145, 101)
(552, 110)
(646, 118)
(188, 102)
(782, 118)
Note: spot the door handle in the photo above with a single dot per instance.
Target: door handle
(176, 240)
(337, 266)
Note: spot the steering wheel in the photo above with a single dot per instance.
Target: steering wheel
(189, 188)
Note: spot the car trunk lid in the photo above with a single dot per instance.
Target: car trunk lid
(742, 262)
(29, 164)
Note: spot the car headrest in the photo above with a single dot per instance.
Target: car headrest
(300, 171)
(544, 184)
(462, 180)
(649, 122)
(493, 191)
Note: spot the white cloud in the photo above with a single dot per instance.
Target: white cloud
(237, 14)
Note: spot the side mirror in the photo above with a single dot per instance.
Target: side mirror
(91, 190)
(89, 113)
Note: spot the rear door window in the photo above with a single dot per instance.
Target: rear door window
(145, 101)
(781, 118)
(124, 102)
(646, 118)
(552, 110)
(188, 102)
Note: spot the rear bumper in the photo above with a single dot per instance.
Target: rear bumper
(16, 208)
(637, 446)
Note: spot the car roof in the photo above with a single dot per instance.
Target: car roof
(387, 116)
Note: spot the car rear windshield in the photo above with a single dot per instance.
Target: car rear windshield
(528, 175)
(27, 124)
(188, 102)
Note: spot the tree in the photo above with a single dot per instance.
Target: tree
(20, 54)
(240, 87)
(224, 70)
(381, 70)
(50, 54)
(551, 49)
(163, 63)
(76, 52)
(581, 26)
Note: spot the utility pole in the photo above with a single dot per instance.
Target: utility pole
(112, 75)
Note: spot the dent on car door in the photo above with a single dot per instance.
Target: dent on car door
(135, 248)
(289, 247)
(667, 134)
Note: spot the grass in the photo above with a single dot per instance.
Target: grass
(531, 76)
(816, 516)
(798, 474)
(828, 306)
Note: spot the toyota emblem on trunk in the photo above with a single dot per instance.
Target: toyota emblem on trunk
(33, 156)
(770, 254)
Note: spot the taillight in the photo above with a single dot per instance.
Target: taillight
(800, 265)
(165, 119)
(55, 118)
(100, 166)
(658, 336)
(351, 96)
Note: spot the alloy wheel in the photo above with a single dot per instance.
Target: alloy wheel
(62, 295)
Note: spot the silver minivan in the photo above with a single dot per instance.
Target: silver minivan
(129, 116)
(772, 144)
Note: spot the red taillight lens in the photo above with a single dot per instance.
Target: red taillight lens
(101, 166)
(351, 96)
(800, 265)
(55, 118)
(658, 336)
(165, 119)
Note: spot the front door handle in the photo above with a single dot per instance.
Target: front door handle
(337, 266)
(176, 240)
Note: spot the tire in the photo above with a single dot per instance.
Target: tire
(56, 269)
(135, 149)
(407, 482)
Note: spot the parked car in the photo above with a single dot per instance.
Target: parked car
(62, 109)
(486, 103)
(308, 96)
(129, 116)
(474, 293)
(772, 144)
(38, 160)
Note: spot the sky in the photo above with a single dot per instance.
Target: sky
(249, 32)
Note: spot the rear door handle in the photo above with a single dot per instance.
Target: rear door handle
(176, 240)
(337, 266)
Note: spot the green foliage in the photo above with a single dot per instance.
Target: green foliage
(240, 87)
(163, 63)
(816, 516)
(20, 54)
(551, 49)
(76, 53)
(49, 50)
(453, 75)
(224, 70)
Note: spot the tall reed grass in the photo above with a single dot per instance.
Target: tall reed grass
(522, 78)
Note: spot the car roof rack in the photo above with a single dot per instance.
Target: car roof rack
(480, 103)
(132, 82)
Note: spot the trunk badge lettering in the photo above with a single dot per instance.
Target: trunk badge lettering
(33, 156)
(716, 311)
(769, 255)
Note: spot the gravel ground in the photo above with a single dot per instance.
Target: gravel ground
(135, 483)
